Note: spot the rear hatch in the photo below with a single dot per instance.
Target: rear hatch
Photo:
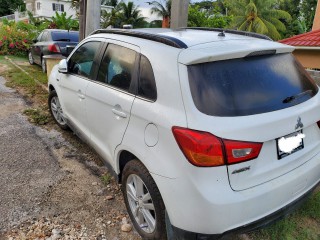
(263, 98)
(66, 41)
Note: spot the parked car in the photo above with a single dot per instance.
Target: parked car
(51, 42)
(210, 132)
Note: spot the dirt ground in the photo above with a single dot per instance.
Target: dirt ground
(51, 185)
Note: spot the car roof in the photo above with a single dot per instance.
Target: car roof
(60, 30)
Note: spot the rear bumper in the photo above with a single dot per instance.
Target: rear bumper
(202, 201)
(180, 234)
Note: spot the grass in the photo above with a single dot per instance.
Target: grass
(303, 224)
(106, 178)
(28, 87)
(37, 116)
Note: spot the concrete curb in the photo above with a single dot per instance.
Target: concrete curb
(43, 86)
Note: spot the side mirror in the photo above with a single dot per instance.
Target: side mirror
(35, 40)
(63, 66)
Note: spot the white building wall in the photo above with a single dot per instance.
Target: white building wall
(44, 8)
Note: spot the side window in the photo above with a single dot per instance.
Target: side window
(44, 37)
(117, 67)
(81, 61)
(147, 84)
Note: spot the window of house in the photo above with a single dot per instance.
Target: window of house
(81, 62)
(117, 67)
(57, 7)
(38, 5)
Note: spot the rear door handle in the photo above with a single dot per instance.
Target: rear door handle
(118, 111)
(80, 95)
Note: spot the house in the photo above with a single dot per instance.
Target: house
(307, 45)
(48, 8)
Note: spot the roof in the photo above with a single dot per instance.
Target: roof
(309, 39)
(184, 37)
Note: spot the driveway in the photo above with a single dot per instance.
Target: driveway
(50, 188)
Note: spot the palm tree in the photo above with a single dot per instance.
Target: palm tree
(130, 14)
(163, 11)
(259, 16)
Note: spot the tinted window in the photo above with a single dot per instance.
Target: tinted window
(65, 36)
(250, 85)
(147, 84)
(81, 61)
(117, 66)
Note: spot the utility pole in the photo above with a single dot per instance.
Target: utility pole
(82, 19)
(93, 12)
(179, 13)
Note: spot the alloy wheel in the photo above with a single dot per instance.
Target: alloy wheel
(141, 204)
(57, 111)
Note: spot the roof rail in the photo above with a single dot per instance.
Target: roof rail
(171, 41)
(232, 31)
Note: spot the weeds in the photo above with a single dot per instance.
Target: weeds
(37, 116)
(106, 178)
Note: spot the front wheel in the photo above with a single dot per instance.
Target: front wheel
(143, 201)
(56, 110)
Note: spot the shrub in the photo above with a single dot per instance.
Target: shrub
(16, 38)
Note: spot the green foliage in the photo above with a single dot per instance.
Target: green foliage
(8, 7)
(130, 14)
(260, 16)
(205, 18)
(16, 38)
(106, 178)
(307, 11)
(61, 21)
(162, 10)
(37, 116)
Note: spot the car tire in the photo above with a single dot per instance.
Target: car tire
(43, 65)
(143, 201)
(56, 110)
(30, 58)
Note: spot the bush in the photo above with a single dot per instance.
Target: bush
(16, 38)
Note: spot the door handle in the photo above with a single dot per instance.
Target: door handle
(80, 95)
(119, 112)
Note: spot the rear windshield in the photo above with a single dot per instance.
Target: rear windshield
(65, 36)
(251, 85)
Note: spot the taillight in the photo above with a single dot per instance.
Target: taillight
(237, 151)
(318, 123)
(203, 149)
(200, 148)
(53, 48)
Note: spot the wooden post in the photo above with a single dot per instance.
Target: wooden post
(316, 21)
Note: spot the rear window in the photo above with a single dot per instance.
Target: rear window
(65, 36)
(251, 85)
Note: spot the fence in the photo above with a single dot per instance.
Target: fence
(15, 17)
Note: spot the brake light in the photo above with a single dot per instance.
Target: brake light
(200, 148)
(318, 123)
(203, 149)
(54, 48)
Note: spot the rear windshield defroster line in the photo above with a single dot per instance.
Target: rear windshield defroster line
(248, 86)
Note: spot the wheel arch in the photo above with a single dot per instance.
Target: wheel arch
(51, 88)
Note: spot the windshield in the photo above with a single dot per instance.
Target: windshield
(250, 85)
(65, 36)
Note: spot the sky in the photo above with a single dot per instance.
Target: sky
(145, 8)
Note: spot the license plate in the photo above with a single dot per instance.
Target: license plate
(290, 144)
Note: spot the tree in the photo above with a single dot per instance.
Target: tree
(206, 18)
(308, 8)
(8, 7)
(130, 14)
(163, 11)
(260, 16)
(61, 21)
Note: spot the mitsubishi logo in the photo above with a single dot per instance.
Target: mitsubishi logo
(299, 123)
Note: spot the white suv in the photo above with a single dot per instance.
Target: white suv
(210, 132)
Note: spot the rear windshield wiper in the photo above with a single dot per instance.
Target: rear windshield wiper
(295, 97)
